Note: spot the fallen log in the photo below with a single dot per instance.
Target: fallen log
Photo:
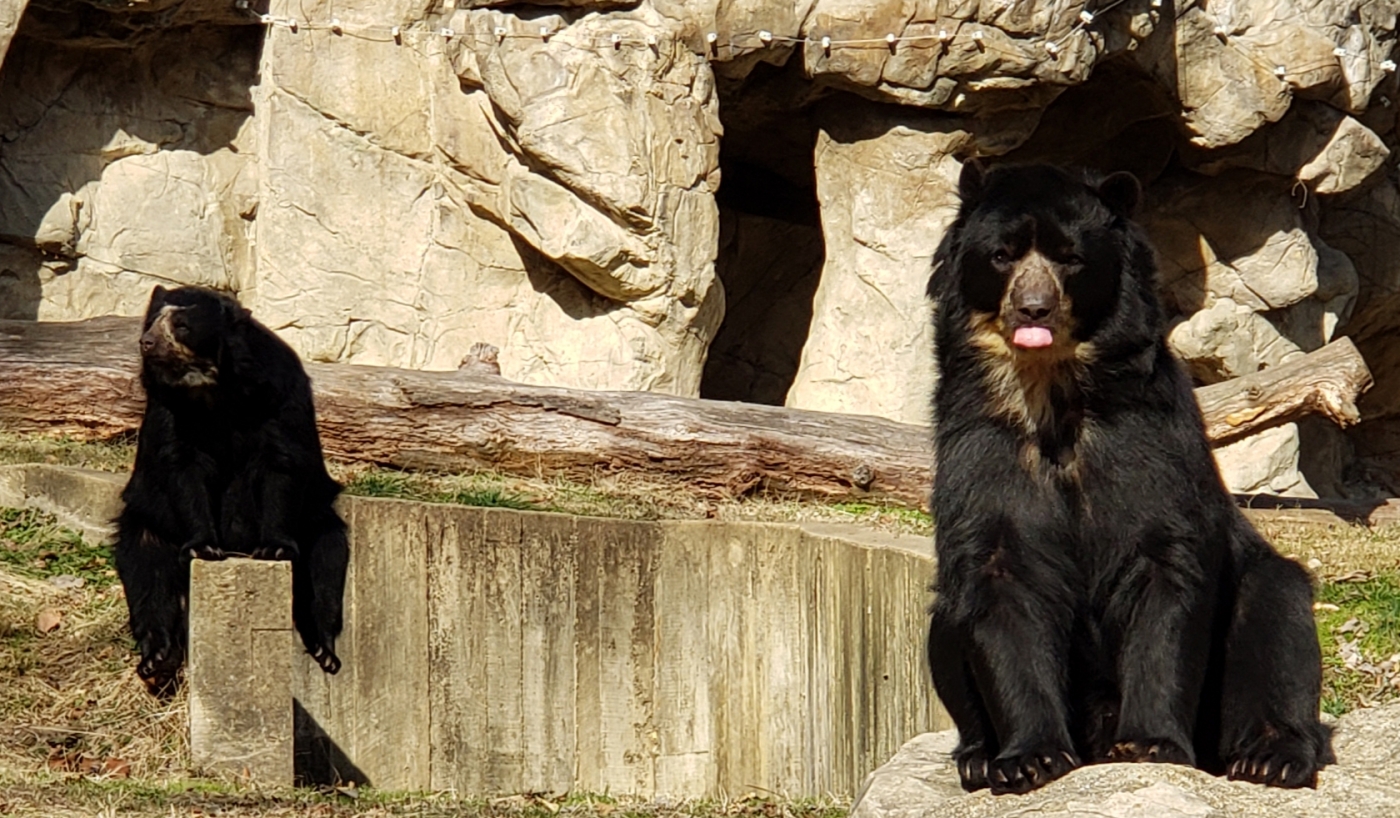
(1326, 381)
(80, 379)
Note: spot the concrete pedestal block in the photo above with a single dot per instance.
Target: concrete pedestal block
(240, 669)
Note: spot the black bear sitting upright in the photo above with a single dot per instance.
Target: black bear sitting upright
(1100, 597)
(228, 462)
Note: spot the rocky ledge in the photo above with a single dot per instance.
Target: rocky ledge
(920, 781)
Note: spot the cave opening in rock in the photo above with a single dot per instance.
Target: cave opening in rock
(770, 247)
(127, 141)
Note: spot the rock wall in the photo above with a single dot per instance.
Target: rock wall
(392, 182)
(111, 184)
(375, 199)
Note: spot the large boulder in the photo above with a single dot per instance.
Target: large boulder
(921, 782)
(1266, 462)
(887, 193)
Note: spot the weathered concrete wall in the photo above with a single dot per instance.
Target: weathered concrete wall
(87, 501)
(498, 651)
(495, 651)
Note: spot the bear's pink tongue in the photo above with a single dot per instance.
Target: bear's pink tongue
(1032, 337)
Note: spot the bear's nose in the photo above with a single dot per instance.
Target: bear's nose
(1035, 305)
(147, 343)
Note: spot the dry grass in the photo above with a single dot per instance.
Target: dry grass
(61, 798)
(618, 496)
(1340, 550)
(1358, 606)
(71, 695)
(113, 456)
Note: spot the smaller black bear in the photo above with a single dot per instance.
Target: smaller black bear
(228, 462)
(1100, 597)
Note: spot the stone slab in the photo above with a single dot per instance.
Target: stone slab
(239, 671)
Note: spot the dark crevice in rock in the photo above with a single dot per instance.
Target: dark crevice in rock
(770, 246)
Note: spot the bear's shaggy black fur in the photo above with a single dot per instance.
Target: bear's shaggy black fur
(1100, 597)
(228, 462)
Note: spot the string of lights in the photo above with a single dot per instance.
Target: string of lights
(763, 39)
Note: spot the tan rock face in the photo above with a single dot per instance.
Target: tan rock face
(1314, 143)
(113, 186)
(887, 195)
(552, 199)
(380, 208)
(1238, 236)
(1226, 340)
(1264, 463)
(543, 179)
(1254, 286)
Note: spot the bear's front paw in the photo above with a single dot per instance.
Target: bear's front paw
(972, 766)
(203, 549)
(1158, 750)
(1276, 761)
(277, 548)
(1017, 772)
(159, 671)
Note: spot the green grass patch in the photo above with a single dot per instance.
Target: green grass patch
(911, 518)
(34, 545)
(423, 488)
(1358, 625)
(493, 498)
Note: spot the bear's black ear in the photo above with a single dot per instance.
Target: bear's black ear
(157, 301)
(1121, 192)
(970, 183)
(234, 312)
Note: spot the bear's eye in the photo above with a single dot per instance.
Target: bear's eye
(1074, 260)
(1001, 257)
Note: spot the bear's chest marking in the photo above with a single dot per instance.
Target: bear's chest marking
(1039, 395)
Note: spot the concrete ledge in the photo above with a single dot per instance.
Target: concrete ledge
(85, 500)
(239, 671)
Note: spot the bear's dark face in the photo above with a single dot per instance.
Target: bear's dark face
(1038, 257)
(183, 335)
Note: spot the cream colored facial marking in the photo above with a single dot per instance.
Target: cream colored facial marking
(200, 373)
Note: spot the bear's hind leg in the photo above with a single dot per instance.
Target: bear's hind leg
(155, 578)
(1270, 730)
(318, 588)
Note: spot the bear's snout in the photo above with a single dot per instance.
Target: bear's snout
(1034, 297)
(1035, 302)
